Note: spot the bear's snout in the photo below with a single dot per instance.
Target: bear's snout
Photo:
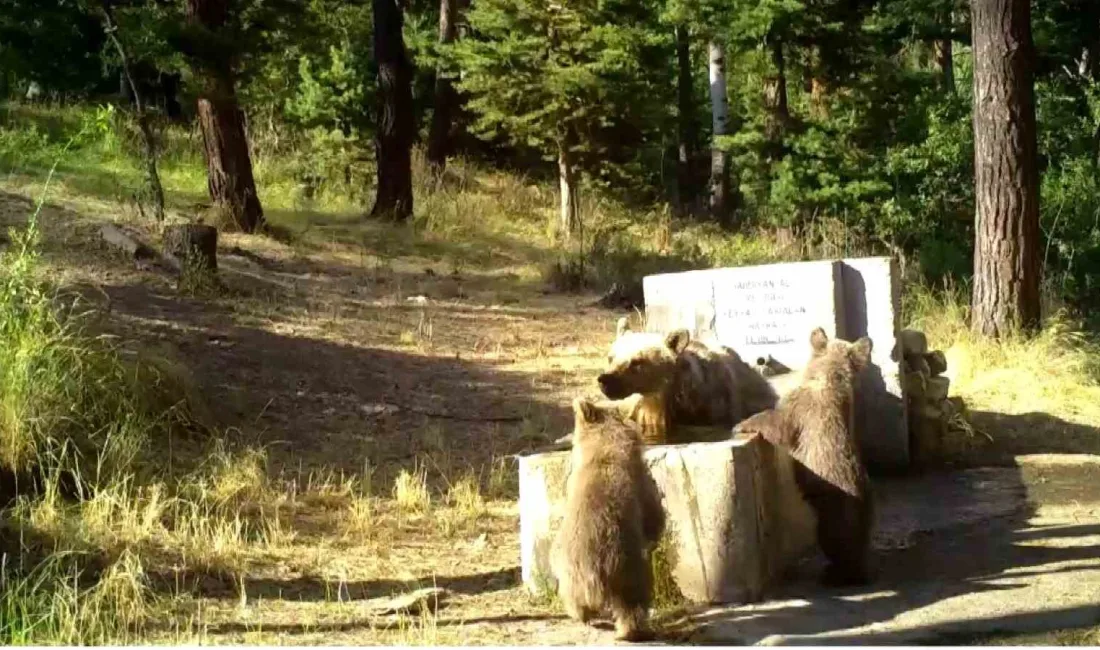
(611, 386)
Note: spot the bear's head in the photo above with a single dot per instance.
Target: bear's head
(641, 362)
(839, 355)
(603, 422)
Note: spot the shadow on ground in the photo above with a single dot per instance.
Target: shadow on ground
(319, 404)
(979, 552)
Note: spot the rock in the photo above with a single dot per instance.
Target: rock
(735, 516)
(937, 362)
(918, 364)
(913, 343)
(192, 245)
(916, 386)
(938, 388)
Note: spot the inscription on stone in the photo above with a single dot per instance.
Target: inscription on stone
(770, 310)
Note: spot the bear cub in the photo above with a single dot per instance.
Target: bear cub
(613, 519)
(682, 381)
(814, 422)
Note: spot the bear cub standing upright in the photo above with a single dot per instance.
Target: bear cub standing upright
(815, 423)
(682, 381)
(613, 518)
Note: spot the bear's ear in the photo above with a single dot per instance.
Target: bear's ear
(861, 352)
(584, 411)
(622, 327)
(819, 340)
(678, 340)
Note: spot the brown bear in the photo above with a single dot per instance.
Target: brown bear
(682, 382)
(814, 422)
(613, 518)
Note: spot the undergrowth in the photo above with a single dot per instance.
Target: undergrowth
(1055, 371)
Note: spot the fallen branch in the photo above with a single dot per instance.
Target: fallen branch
(131, 246)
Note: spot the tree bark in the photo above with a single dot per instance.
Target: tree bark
(687, 125)
(570, 223)
(775, 99)
(719, 159)
(229, 176)
(944, 54)
(1006, 254)
(446, 97)
(141, 115)
(396, 130)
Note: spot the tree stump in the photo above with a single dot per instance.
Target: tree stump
(192, 245)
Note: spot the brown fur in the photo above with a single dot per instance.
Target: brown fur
(815, 423)
(683, 382)
(613, 518)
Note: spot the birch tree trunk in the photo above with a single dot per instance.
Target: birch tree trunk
(719, 159)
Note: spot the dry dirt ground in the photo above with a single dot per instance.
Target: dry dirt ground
(343, 361)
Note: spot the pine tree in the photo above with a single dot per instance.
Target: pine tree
(547, 75)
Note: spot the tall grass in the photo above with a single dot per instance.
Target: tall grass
(1056, 371)
(71, 405)
(77, 420)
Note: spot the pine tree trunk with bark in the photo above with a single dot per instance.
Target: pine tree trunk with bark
(446, 96)
(1006, 253)
(944, 54)
(225, 143)
(719, 159)
(775, 99)
(396, 130)
(685, 181)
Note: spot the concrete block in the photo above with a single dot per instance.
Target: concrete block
(872, 304)
(734, 513)
(759, 311)
(767, 313)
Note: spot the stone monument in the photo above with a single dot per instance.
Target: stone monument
(766, 314)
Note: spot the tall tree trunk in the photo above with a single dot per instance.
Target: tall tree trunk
(1006, 179)
(719, 159)
(816, 84)
(775, 99)
(395, 114)
(225, 144)
(446, 97)
(141, 114)
(570, 224)
(944, 54)
(687, 125)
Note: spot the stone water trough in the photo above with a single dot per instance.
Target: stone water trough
(736, 520)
